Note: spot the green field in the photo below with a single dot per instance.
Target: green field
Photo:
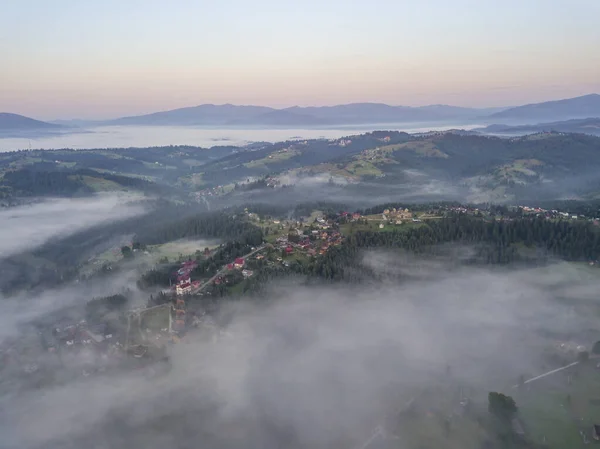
(556, 411)
(102, 185)
(179, 248)
(156, 319)
(193, 180)
(273, 158)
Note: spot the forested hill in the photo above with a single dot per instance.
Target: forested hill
(440, 166)
(27, 182)
(494, 242)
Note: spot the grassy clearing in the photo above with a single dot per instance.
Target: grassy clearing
(129, 175)
(94, 264)
(236, 289)
(273, 158)
(362, 168)
(429, 432)
(556, 411)
(193, 180)
(180, 248)
(158, 166)
(518, 171)
(192, 162)
(101, 185)
(422, 148)
(156, 319)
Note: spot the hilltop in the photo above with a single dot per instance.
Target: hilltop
(583, 126)
(16, 122)
(570, 108)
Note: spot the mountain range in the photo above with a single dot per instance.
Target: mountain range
(348, 114)
(325, 116)
(572, 108)
(581, 126)
(16, 122)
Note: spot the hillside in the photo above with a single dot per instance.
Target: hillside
(583, 126)
(479, 168)
(16, 122)
(388, 165)
(570, 108)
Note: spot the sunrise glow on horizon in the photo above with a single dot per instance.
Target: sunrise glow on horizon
(105, 59)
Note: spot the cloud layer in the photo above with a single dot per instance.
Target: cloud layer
(320, 367)
(26, 227)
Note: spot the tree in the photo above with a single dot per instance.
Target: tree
(583, 356)
(447, 427)
(501, 406)
(126, 251)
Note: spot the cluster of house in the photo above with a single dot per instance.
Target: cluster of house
(65, 336)
(71, 335)
(185, 285)
(322, 239)
(273, 181)
(329, 238)
(549, 214)
(347, 215)
(397, 216)
(340, 142)
(239, 264)
(213, 191)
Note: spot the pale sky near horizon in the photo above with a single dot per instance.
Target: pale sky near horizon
(109, 58)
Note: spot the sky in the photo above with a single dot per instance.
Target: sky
(66, 59)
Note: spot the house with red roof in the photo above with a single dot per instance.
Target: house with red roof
(239, 262)
(183, 288)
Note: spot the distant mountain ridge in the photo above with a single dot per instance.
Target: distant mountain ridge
(571, 108)
(347, 114)
(581, 126)
(225, 115)
(16, 122)
(206, 114)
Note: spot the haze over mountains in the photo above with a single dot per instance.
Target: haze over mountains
(365, 113)
(348, 114)
(11, 122)
(580, 126)
(586, 106)
(571, 108)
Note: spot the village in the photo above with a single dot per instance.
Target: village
(138, 338)
(287, 242)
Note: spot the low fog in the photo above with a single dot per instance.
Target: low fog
(26, 227)
(418, 187)
(317, 366)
